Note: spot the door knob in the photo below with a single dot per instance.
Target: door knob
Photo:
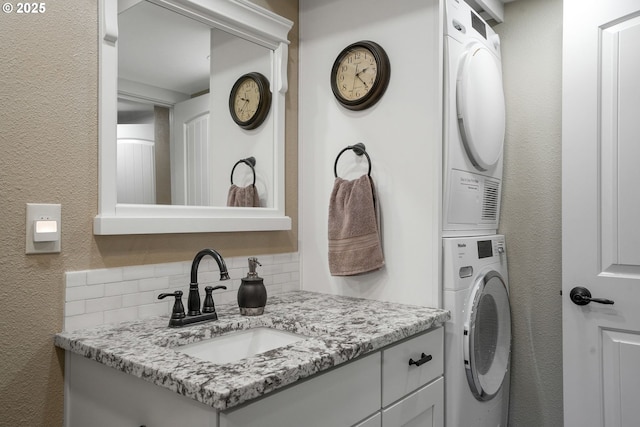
(582, 296)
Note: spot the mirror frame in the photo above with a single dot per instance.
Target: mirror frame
(238, 17)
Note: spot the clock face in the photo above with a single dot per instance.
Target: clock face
(356, 74)
(360, 75)
(250, 100)
(247, 99)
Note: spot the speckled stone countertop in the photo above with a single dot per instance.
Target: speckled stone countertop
(339, 329)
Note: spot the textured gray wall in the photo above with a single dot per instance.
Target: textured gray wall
(531, 218)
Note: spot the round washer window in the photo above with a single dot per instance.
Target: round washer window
(481, 107)
(487, 338)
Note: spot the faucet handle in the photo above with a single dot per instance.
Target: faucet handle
(178, 307)
(209, 306)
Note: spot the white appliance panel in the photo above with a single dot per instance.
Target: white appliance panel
(477, 398)
(474, 124)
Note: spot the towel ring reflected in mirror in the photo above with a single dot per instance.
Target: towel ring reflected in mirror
(249, 161)
(359, 149)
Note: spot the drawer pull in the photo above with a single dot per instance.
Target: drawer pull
(424, 358)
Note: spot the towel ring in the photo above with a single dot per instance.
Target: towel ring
(359, 149)
(249, 161)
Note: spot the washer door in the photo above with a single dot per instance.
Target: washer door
(480, 106)
(487, 335)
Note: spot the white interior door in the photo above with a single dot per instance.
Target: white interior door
(601, 211)
(135, 165)
(191, 153)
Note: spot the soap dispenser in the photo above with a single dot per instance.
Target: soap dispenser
(252, 294)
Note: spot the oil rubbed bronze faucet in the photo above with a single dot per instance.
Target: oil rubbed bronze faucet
(194, 314)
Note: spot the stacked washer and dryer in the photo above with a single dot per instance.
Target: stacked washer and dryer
(478, 336)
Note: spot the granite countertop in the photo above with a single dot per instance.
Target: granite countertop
(339, 329)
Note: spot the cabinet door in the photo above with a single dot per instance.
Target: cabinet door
(423, 408)
(99, 396)
(338, 398)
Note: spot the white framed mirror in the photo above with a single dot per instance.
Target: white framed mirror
(155, 195)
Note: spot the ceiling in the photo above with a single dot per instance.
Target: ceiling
(162, 48)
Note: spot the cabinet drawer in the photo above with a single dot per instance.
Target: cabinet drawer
(398, 377)
(423, 408)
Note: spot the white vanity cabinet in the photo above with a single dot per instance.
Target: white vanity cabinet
(377, 390)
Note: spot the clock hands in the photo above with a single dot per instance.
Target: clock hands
(245, 102)
(360, 78)
(353, 87)
(364, 70)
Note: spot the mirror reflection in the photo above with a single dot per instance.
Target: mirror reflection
(176, 141)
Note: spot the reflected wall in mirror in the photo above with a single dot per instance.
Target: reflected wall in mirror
(167, 141)
(175, 73)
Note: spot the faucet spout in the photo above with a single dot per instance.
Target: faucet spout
(193, 301)
(224, 275)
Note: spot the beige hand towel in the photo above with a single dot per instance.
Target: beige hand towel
(243, 196)
(354, 235)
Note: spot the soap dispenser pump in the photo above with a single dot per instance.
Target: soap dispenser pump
(252, 294)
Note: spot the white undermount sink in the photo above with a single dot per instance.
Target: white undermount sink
(239, 345)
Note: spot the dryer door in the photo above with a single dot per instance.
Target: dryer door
(487, 335)
(480, 106)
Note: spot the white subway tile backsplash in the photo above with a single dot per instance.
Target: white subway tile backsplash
(290, 267)
(138, 272)
(291, 286)
(121, 315)
(154, 284)
(280, 259)
(281, 278)
(152, 310)
(170, 269)
(233, 284)
(76, 278)
(239, 262)
(78, 293)
(83, 321)
(121, 288)
(208, 277)
(226, 297)
(110, 295)
(140, 298)
(274, 289)
(104, 275)
(73, 308)
(176, 282)
(102, 304)
(237, 273)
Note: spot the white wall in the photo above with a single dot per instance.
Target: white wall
(402, 134)
(232, 57)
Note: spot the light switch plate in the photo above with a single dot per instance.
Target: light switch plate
(41, 211)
